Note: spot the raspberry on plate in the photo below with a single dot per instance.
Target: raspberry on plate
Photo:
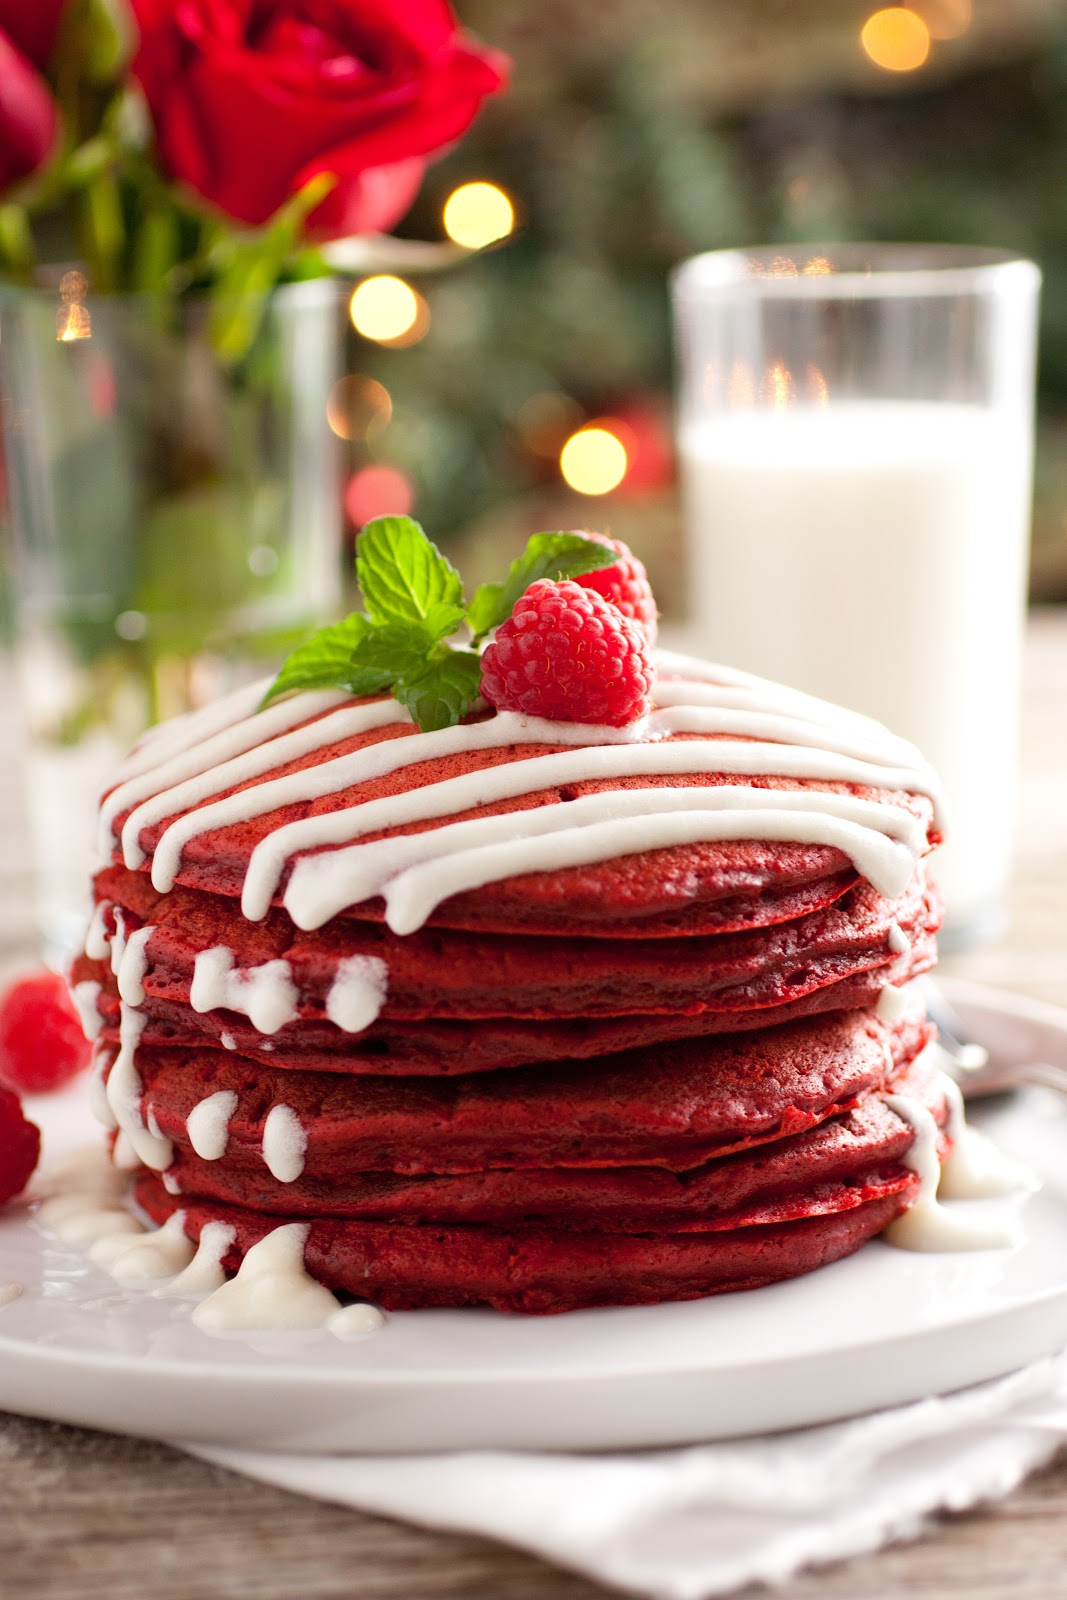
(20, 1146)
(42, 1045)
(567, 654)
(625, 583)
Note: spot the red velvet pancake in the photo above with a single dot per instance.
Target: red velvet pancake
(685, 889)
(439, 974)
(541, 1270)
(451, 1048)
(675, 1106)
(838, 1164)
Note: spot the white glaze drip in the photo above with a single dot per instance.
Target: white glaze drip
(898, 941)
(159, 1254)
(357, 1321)
(358, 992)
(266, 995)
(927, 1225)
(9, 1292)
(170, 1182)
(891, 1004)
(284, 1144)
(85, 995)
(124, 1156)
(118, 941)
(97, 938)
(975, 1168)
(227, 1040)
(99, 1104)
(133, 965)
(208, 1124)
(272, 1289)
(204, 1274)
(124, 1095)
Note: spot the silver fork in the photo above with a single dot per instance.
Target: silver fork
(971, 1064)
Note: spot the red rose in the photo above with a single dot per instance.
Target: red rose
(31, 26)
(251, 98)
(27, 116)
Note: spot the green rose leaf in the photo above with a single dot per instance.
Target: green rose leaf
(443, 692)
(547, 555)
(405, 579)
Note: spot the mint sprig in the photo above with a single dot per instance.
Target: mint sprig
(414, 604)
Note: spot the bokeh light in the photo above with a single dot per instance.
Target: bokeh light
(378, 491)
(478, 214)
(896, 39)
(385, 309)
(72, 323)
(593, 460)
(946, 19)
(359, 407)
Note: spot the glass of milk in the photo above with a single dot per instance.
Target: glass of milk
(856, 435)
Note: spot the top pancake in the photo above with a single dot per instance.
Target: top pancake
(683, 889)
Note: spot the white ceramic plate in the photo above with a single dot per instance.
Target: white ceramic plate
(880, 1328)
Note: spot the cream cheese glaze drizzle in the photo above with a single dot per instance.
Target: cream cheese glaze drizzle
(266, 994)
(761, 729)
(358, 992)
(208, 1125)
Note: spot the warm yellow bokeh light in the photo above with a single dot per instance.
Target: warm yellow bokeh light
(593, 461)
(383, 308)
(477, 214)
(896, 39)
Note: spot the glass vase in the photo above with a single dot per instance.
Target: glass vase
(175, 525)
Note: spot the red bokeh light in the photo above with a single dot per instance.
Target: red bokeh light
(377, 492)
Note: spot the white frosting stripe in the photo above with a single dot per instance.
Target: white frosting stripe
(420, 870)
(253, 763)
(413, 895)
(168, 739)
(200, 757)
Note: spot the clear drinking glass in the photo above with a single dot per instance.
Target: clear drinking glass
(175, 526)
(856, 437)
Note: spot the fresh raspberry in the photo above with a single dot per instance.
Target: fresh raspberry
(42, 1045)
(20, 1146)
(567, 654)
(625, 583)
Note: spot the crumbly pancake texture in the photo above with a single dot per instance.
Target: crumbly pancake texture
(522, 1015)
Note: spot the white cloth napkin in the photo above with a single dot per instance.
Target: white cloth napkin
(684, 1524)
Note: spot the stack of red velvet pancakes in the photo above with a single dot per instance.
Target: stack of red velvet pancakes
(521, 1013)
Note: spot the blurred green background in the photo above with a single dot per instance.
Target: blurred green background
(638, 132)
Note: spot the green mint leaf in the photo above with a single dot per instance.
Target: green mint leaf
(325, 662)
(393, 649)
(443, 692)
(547, 555)
(405, 579)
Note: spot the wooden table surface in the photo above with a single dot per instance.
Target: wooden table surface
(89, 1516)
